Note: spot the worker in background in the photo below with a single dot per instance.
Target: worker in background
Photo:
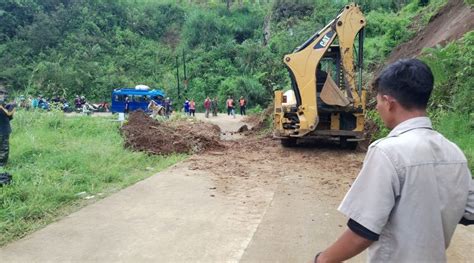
(243, 105)
(230, 106)
(415, 185)
(23, 103)
(167, 104)
(77, 103)
(207, 106)
(214, 106)
(6, 115)
(192, 108)
(83, 100)
(186, 106)
(42, 103)
(34, 103)
(126, 108)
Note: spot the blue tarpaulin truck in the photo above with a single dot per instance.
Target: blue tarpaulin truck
(138, 98)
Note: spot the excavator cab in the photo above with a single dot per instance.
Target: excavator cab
(326, 76)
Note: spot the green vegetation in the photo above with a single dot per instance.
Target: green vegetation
(58, 162)
(452, 67)
(64, 48)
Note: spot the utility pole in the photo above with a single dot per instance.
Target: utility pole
(185, 82)
(177, 77)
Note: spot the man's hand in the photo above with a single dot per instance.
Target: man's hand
(347, 246)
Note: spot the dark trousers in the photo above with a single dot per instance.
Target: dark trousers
(4, 149)
(229, 110)
(242, 110)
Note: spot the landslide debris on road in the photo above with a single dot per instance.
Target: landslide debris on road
(246, 166)
(257, 121)
(145, 134)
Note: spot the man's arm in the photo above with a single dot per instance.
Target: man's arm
(347, 246)
(7, 112)
(468, 217)
(368, 205)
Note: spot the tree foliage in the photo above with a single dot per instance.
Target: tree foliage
(85, 47)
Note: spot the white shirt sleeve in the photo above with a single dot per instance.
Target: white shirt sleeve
(372, 196)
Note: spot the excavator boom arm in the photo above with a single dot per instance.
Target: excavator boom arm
(303, 62)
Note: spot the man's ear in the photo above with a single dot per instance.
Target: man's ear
(391, 102)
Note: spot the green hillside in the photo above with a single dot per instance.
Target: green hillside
(64, 48)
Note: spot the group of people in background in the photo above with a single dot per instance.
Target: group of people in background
(42, 103)
(80, 104)
(231, 106)
(211, 106)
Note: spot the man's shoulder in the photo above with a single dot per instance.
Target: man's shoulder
(419, 146)
(384, 143)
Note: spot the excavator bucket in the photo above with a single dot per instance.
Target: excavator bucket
(332, 95)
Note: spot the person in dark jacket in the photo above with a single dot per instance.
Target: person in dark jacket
(214, 106)
(6, 115)
(167, 104)
(127, 105)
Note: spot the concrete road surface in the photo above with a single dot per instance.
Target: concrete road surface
(253, 202)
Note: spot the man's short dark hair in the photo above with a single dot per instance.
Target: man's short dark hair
(409, 81)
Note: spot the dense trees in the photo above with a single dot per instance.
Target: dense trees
(66, 47)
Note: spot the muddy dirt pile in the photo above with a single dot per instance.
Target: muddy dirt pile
(145, 134)
(258, 121)
(450, 23)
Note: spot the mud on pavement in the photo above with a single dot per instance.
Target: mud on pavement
(254, 160)
(260, 162)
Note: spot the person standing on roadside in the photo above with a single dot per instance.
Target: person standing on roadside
(214, 106)
(207, 106)
(127, 105)
(415, 185)
(6, 115)
(77, 103)
(192, 108)
(186, 107)
(230, 106)
(243, 105)
(167, 104)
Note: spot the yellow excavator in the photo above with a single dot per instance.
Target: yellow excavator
(327, 99)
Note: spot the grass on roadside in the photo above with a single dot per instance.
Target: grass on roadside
(57, 162)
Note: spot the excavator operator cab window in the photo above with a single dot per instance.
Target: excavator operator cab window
(321, 76)
(330, 65)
